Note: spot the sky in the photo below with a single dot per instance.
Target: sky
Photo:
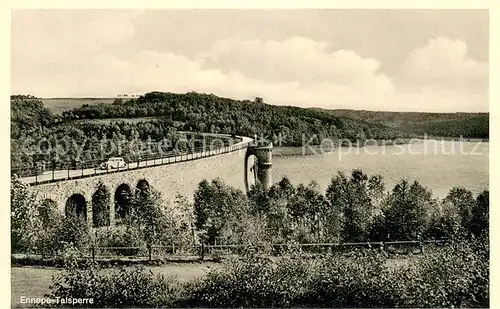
(395, 60)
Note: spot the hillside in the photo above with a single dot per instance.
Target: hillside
(473, 125)
(158, 115)
(286, 125)
(77, 136)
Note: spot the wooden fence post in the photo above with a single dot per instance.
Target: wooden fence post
(202, 253)
(150, 248)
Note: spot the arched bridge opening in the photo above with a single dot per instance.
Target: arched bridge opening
(123, 195)
(76, 205)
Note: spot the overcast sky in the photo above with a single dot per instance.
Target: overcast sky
(434, 60)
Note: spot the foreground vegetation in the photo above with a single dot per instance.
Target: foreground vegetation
(454, 276)
(36, 281)
(357, 208)
(354, 208)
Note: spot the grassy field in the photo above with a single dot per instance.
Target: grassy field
(111, 120)
(59, 105)
(29, 282)
(34, 282)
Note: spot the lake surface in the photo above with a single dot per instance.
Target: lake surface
(438, 165)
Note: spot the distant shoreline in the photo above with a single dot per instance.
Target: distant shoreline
(285, 151)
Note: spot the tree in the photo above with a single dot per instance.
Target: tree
(73, 231)
(148, 215)
(218, 207)
(185, 220)
(463, 201)
(284, 188)
(259, 100)
(100, 205)
(407, 214)
(259, 199)
(479, 223)
(444, 222)
(356, 199)
(118, 101)
(452, 216)
(51, 220)
(25, 221)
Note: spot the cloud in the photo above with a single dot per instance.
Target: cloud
(441, 76)
(57, 55)
(444, 61)
(85, 55)
(297, 59)
(98, 33)
(296, 71)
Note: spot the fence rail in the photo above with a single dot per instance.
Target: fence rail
(35, 176)
(203, 251)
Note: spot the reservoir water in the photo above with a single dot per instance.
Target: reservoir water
(438, 165)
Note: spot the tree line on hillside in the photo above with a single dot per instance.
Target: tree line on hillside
(209, 113)
(470, 125)
(35, 130)
(37, 135)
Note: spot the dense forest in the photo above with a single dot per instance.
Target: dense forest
(252, 117)
(37, 134)
(210, 113)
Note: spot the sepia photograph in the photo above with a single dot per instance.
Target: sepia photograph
(249, 158)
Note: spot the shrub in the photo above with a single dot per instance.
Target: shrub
(73, 231)
(456, 275)
(121, 236)
(359, 281)
(114, 287)
(258, 282)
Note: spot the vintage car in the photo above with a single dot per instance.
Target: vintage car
(113, 163)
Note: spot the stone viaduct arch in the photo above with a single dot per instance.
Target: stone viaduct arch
(76, 205)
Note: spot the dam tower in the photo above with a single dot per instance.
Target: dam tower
(263, 153)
